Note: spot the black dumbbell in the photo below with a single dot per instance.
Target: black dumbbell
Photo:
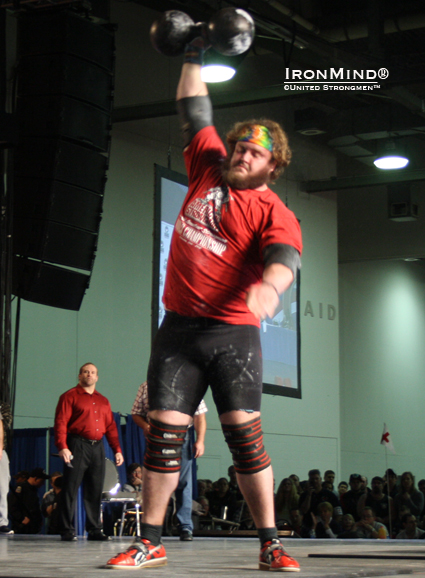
(230, 32)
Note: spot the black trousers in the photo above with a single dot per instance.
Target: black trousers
(89, 469)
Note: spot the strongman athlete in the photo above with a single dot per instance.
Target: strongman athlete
(235, 249)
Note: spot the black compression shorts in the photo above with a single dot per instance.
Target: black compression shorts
(191, 353)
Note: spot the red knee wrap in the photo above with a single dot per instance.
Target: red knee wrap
(163, 448)
(245, 442)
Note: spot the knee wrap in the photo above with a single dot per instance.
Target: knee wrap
(164, 445)
(245, 442)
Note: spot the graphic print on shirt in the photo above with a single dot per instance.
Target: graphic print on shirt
(199, 225)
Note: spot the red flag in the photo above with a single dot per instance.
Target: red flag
(386, 439)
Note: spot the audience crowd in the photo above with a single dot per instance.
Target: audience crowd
(391, 506)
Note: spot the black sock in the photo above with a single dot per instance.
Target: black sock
(267, 534)
(151, 533)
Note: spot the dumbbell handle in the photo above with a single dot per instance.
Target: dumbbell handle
(200, 29)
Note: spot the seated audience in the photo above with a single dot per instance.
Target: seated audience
(233, 483)
(50, 503)
(315, 495)
(381, 504)
(223, 503)
(367, 527)
(19, 478)
(409, 496)
(204, 504)
(350, 499)
(202, 488)
(398, 524)
(326, 527)
(49, 497)
(286, 500)
(54, 510)
(247, 521)
(421, 488)
(24, 505)
(297, 525)
(411, 531)
(134, 478)
(348, 530)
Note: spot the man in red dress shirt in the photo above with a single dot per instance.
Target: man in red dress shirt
(83, 417)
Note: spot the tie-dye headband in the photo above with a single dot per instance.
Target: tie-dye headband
(259, 135)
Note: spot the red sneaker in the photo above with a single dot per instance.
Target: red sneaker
(274, 558)
(139, 555)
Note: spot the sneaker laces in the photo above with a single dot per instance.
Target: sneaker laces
(275, 545)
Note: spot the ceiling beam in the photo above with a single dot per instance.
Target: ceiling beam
(336, 184)
(224, 100)
(219, 100)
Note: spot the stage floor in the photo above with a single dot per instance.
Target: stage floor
(48, 557)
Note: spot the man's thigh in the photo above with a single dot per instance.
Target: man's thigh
(236, 372)
(190, 354)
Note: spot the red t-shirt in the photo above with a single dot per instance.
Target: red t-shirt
(219, 238)
(87, 415)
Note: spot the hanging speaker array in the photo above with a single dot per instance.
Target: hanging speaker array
(64, 105)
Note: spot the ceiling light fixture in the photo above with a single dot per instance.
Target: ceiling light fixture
(391, 157)
(219, 68)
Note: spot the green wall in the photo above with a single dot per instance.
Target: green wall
(382, 366)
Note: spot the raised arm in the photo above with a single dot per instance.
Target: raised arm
(193, 103)
(190, 83)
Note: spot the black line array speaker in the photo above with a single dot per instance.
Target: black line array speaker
(64, 105)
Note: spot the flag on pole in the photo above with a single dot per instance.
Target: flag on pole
(386, 439)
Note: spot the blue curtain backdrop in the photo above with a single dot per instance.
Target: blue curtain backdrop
(135, 442)
(34, 448)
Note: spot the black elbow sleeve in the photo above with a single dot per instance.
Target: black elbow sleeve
(283, 254)
(195, 113)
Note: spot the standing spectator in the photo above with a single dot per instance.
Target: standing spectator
(350, 499)
(411, 531)
(342, 488)
(409, 496)
(364, 486)
(5, 423)
(83, 417)
(297, 484)
(390, 487)
(24, 505)
(368, 527)
(286, 500)
(315, 495)
(381, 504)
(329, 480)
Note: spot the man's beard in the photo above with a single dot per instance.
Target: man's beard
(238, 180)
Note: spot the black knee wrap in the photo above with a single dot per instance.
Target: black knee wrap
(164, 446)
(245, 442)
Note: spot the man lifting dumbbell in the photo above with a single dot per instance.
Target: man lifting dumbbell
(235, 250)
